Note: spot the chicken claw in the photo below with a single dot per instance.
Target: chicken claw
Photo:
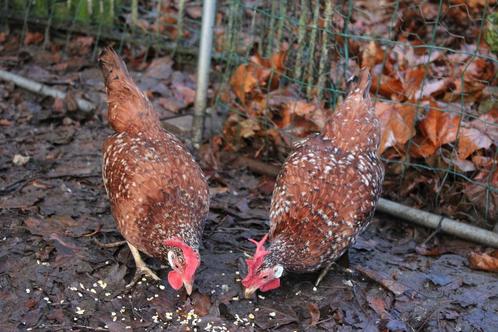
(142, 269)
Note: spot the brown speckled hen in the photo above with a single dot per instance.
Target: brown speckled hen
(325, 195)
(158, 194)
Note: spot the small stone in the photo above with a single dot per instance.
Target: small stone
(348, 283)
(20, 160)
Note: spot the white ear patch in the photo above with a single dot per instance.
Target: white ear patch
(278, 271)
(171, 258)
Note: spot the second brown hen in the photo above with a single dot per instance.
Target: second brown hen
(159, 196)
(325, 195)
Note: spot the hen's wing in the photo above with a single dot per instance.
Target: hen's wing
(323, 197)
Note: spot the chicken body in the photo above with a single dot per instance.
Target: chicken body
(156, 189)
(325, 194)
(159, 196)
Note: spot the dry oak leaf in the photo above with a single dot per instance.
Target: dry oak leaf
(314, 312)
(484, 261)
(488, 124)
(478, 134)
(482, 196)
(470, 140)
(436, 129)
(413, 79)
(290, 109)
(397, 123)
(33, 38)
(249, 127)
(257, 73)
(387, 86)
(471, 80)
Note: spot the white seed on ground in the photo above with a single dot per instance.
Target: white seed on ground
(102, 284)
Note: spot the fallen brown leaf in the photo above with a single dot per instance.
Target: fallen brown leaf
(383, 279)
(413, 80)
(33, 38)
(378, 305)
(314, 313)
(387, 86)
(484, 261)
(470, 140)
(436, 129)
(397, 123)
(257, 73)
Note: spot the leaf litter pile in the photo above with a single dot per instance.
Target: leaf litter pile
(438, 108)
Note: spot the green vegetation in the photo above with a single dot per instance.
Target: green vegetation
(97, 12)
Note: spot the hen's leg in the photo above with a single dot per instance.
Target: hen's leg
(142, 269)
(342, 261)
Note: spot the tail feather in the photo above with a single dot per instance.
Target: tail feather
(113, 68)
(129, 109)
(365, 80)
(361, 83)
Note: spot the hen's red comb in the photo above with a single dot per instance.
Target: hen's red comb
(191, 259)
(257, 260)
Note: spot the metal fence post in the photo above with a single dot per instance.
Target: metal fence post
(204, 64)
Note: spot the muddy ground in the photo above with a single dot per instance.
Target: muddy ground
(54, 276)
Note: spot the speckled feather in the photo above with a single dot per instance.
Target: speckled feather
(327, 190)
(156, 189)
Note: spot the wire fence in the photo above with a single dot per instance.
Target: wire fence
(281, 66)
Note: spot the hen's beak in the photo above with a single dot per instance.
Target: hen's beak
(248, 292)
(188, 287)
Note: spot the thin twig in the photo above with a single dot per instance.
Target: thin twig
(109, 245)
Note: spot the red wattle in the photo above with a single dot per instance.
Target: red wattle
(175, 280)
(275, 283)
